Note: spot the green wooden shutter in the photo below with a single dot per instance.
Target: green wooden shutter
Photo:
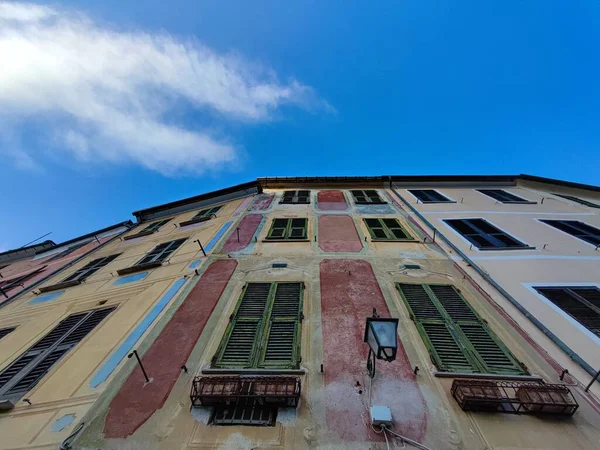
(297, 229)
(239, 345)
(395, 230)
(281, 343)
(278, 229)
(457, 338)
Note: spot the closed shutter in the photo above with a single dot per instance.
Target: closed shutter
(161, 252)
(386, 229)
(6, 331)
(283, 329)
(288, 229)
(265, 328)
(24, 373)
(580, 302)
(238, 350)
(296, 197)
(457, 338)
(91, 268)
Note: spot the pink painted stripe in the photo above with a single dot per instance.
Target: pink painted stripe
(338, 234)
(247, 226)
(136, 401)
(331, 201)
(262, 202)
(349, 292)
(242, 206)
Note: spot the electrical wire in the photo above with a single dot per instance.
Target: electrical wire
(387, 442)
(405, 439)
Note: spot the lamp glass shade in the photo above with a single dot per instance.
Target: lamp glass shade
(382, 337)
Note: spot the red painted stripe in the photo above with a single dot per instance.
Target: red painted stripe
(263, 201)
(349, 292)
(247, 226)
(331, 201)
(136, 401)
(338, 234)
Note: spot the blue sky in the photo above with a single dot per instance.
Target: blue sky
(171, 99)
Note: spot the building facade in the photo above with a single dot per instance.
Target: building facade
(236, 319)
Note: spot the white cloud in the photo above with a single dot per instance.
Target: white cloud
(115, 96)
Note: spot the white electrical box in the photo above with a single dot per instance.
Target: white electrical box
(380, 415)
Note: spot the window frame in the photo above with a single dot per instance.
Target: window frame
(264, 325)
(292, 197)
(203, 215)
(487, 236)
(35, 358)
(426, 202)
(288, 230)
(517, 200)
(579, 237)
(387, 230)
(457, 327)
(368, 200)
(578, 200)
(536, 288)
(157, 260)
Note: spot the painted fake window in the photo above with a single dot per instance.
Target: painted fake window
(366, 197)
(288, 229)
(387, 230)
(265, 329)
(456, 337)
(296, 197)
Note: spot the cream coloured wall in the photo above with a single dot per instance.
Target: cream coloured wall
(66, 389)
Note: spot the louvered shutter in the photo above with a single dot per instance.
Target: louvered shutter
(239, 345)
(6, 331)
(24, 373)
(581, 303)
(282, 335)
(297, 229)
(458, 339)
(445, 347)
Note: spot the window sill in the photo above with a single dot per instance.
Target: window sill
(519, 203)
(395, 240)
(488, 376)
(59, 286)
(138, 268)
(193, 221)
(216, 371)
(286, 240)
(138, 235)
(428, 203)
(501, 249)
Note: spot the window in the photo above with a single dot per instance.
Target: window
(456, 337)
(68, 251)
(288, 229)
(484, 235)
(387, 230)
(503, 196)
(296, 197)
(577, 229)
(430, 196)
(91, 268)
(161, 252)
(27, 370)
(369, 197)
(244, 412)
(582, 303)
(264, 330)
(6, 331)
(202, 216)
(578, 200)
(7, 284)
(153, 227)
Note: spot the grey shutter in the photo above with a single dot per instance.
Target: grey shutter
(6, 331)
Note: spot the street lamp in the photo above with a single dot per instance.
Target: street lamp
(382, 336)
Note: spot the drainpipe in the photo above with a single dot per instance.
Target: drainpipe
(564, 347)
